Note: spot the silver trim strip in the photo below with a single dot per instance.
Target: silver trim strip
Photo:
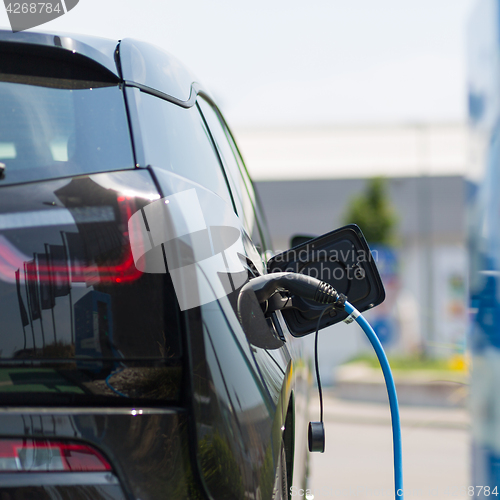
(90, 411)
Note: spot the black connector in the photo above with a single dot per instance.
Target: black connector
(316, 437)
(298, 284)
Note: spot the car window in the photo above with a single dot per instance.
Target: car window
(176, 139)
(249, 185)
(48, 132)
(244, 194)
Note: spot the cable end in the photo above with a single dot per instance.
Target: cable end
(316, 437)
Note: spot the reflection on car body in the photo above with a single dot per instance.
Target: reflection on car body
(110, 385)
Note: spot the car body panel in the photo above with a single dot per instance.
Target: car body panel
(73, 301)
(241, 393)
(144, 445)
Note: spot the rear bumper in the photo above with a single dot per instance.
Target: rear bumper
(147, 448)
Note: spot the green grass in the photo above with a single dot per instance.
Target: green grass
(404, 363)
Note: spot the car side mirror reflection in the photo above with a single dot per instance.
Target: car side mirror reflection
(299, 239)
(341, 258)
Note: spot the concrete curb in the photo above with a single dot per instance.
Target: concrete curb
(344, 411)
(372, 420)
(439, 393)
(361, 383)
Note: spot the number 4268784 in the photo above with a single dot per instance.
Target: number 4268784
(34, 8)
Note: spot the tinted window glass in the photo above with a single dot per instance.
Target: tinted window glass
(266, 237)
(177, 140)
(250, 189)
(48, 132)
(244, 194)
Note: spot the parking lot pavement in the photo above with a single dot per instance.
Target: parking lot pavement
(357, 463)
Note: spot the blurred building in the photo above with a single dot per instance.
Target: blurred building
(305, 178)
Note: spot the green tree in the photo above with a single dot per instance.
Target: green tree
(373, 212)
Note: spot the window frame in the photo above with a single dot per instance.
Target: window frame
(137, 134)
(251, 192)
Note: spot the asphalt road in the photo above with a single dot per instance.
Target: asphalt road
(357, 463)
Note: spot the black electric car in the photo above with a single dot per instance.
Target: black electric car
(130, 366)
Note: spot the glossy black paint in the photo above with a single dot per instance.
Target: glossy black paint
(151, 67)
(77, 486)
(100, 50)
(240, 392)
(220, 405)
(146, 447)
(76, 309)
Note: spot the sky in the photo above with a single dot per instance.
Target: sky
(318, 62)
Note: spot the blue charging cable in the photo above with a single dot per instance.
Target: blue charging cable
(313, 289)
(355, 315)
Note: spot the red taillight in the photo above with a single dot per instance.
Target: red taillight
(45, 269)
(30, 455)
